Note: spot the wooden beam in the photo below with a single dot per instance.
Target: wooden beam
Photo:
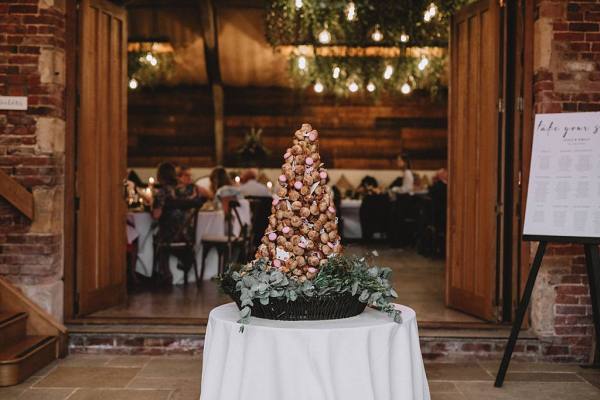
(16, 194)
(211, 54)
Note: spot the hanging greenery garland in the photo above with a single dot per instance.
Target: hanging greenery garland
(149, 64)
(421, 23)
(333, 40)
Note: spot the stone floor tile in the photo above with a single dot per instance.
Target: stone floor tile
(542, 377)
(447, 396)
(88, 377)
(456, 372)
(529, 391)
(181, 394)
(46, 394)
(442, 387)
(172, 368)
(521, 366)
(129, 361)
(85, 360)
(10, 393)
(591, 376)
(121, 394)
(142, 382)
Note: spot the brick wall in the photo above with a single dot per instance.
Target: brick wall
(566, 79)
(32, 64)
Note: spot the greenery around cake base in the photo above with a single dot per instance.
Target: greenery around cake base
(258, 281)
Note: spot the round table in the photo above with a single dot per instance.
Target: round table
(367, 357)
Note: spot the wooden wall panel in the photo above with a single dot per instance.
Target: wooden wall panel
(176, 124)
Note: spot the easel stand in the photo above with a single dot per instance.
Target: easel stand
(592, 262)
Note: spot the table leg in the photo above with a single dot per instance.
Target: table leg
(514, 334)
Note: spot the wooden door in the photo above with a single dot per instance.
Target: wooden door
(473, 156)
(101, 156)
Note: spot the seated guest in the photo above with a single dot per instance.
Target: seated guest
(204, 186)
(250, 185)
(174, 224)
(221, 186)
(408, 178)
(368, 186)
(187, 186)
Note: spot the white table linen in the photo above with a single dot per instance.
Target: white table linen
(210, 223)
(367, 357)
(351, 215)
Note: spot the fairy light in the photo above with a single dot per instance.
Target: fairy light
(350, 11)
(423, 63)
(377, 36)
(133, 83)
(302, 62)
(388, 72)
(149, 57)
(318, 87)
(406, 89)
(298, 4)
(270, 185)
(237, 179)
(371, 87)
(404, 38)
(154, 62)
(427, 16)
(151, 180)
(336, 72)
(432, 10)
(324, 36)
(353, 87)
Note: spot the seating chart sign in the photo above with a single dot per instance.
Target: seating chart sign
(564, 184)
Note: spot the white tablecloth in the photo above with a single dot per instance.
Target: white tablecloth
(210, 223)
(351, 214)
(368, 357)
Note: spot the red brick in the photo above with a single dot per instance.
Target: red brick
(583, 26)
(571, 36)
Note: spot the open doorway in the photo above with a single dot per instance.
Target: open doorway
(224, 84)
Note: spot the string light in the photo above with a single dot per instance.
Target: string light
(302, 62)
(353, 87)
(133, 83)
(318, 88)
(237, 179)
(299, 4)
(377, 36)
(324, 36)
(151, 180)
(270, 185)
(387, 73)
(432, 10)
(336, 72)
(404, 38)
(371, 87)
(350, 11)
(423, 63)
(406, 89)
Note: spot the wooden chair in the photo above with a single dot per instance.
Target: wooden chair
(226, 244)
(184, 249)
(260, 207)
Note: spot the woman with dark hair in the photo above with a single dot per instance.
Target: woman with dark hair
(174, 224)
(220, 184)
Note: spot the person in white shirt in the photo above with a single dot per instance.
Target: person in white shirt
(408, 180)
(251, 187)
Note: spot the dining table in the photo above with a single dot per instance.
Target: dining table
(142, 227)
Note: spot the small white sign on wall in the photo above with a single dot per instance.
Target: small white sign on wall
(13, 102)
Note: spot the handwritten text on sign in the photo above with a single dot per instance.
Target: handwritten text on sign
(564, 185)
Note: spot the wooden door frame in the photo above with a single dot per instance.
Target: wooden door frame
(69, 235)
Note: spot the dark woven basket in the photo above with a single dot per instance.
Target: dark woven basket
(333, 306)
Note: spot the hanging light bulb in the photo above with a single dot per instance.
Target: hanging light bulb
(423, 63)
(318, 87)
(371, 87)
(350, 11)
(149, 57)
(353, 86)
(336, 72)
(406, 89)
(377, 36)
(133, 83)
(324, 36)
(387, 73)
(427, 17)
(404, 38)
(302, 63)
(299, 4)
(154, 61)
(432, 10)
